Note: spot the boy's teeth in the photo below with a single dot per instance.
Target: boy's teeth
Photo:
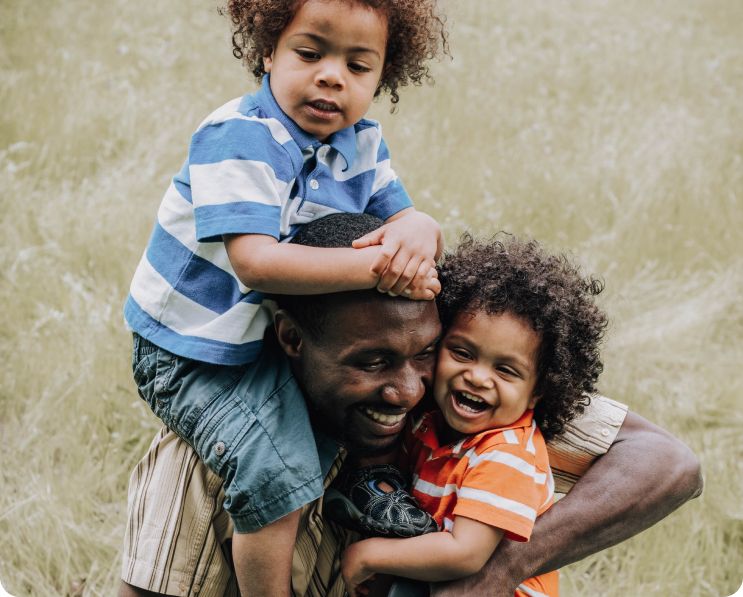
(382, 418)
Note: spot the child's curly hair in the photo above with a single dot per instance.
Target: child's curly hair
(415, 31)
(506, 274)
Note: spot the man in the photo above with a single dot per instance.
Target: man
(363, 360)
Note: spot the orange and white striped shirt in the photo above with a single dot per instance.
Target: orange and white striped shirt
(500, 477)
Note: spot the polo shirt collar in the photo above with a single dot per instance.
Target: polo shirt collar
(343, 141)
(427, 432)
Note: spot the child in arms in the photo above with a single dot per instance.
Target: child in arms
(519, 355)
(258, 168)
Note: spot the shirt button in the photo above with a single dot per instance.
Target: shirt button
(604, 432)
(314, 185)
(219, 448)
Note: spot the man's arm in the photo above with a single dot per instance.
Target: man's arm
(646, 474)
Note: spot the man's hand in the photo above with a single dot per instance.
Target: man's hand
(411, 243)
(646, 474)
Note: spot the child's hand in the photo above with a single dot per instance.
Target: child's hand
(411, 244)
(353, 570)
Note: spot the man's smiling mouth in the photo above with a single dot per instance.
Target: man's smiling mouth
(383, 418)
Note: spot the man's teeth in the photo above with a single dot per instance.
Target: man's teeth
(382, 418)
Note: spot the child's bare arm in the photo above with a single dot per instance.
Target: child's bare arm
(264, 264)
(411, 244)
(431, 557)
(263, 559)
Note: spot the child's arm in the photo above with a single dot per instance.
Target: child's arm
(411, 244)
(263, 559)
(262, 263)
(431, 557)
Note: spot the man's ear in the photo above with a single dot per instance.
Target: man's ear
(268, 62)
(288, 333)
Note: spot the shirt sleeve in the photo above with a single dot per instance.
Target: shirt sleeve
(503, 488)
(584, 439)
(239, 176)
(388, 193)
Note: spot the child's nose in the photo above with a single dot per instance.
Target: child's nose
(330, 73)
(479, 377)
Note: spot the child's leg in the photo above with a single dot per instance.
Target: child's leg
(250, 426)
(263, 559)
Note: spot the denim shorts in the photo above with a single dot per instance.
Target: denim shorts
(249, 424)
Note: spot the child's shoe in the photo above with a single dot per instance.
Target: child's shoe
(357, 501)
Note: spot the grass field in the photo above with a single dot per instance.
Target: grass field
(613, 130)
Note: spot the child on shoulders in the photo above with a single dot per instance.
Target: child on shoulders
(519, 355)
(258, 168)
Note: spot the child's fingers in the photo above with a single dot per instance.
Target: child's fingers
(408, 275)
(385, 257)
(374, 237)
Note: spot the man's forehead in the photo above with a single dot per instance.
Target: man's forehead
(371, 317)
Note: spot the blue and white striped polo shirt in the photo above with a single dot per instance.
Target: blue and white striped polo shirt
(250, 170)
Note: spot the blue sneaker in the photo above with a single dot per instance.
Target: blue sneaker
(358, 502)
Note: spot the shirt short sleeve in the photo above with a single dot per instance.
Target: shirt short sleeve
(239, 176)
(584, 439)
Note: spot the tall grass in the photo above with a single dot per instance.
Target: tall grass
(613, 130)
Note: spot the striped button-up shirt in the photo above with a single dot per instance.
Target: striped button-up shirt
(250, 170)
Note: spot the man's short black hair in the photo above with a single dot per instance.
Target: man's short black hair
(331, 232)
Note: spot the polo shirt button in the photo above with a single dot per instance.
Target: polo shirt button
(219, 448)
(314, 185)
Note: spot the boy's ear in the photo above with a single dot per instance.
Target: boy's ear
(533, 401)
(268, 62)
(288, 333)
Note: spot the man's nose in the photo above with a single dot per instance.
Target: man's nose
(330, 73)
(406, 387)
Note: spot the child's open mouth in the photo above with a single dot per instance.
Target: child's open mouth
(324, 107)
(469, 403)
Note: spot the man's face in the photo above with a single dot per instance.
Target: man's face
(371, 365)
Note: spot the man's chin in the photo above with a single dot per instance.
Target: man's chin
(361, 447)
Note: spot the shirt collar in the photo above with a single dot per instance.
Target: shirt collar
(343, 141)
(427, 431)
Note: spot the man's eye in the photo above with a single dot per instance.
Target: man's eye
(372, 365)
(426, 354)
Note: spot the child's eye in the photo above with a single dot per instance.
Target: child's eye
(507, 371)
(460, 354)
(308, 54)
(358, 68)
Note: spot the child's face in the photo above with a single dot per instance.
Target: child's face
(487, 371)
(327, 64)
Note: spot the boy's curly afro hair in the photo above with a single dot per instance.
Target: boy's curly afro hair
(415, 30)
(506, 274)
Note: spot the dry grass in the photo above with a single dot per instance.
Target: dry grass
(610, 129)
